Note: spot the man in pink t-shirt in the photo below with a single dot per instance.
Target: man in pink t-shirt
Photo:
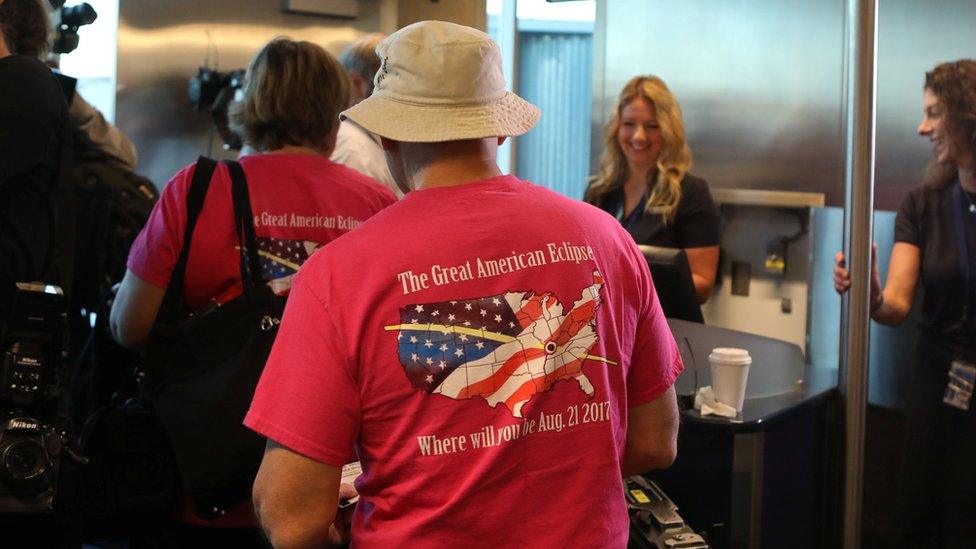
(493, 353)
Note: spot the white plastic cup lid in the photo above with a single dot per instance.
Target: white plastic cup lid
(731, 356)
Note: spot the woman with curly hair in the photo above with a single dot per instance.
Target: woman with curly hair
(644, 179)
(935, 246)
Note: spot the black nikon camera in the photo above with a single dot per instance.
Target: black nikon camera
(32, 410)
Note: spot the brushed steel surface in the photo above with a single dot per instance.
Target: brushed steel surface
(761, 84)
(913, 37)
(334, 8)
(778, 199)
(860, 140)
(161, 44)
(759, 81)
(473, 13)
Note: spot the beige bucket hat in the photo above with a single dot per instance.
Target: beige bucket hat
(441, 81)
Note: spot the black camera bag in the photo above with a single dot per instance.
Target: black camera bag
(130, 481)
(202, 368)
(114, 204)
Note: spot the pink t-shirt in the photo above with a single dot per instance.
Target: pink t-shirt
(478, 347)
(300, 202)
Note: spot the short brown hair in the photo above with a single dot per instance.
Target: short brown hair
(293, 93)
(25, 26)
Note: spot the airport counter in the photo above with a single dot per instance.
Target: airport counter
(760, 479)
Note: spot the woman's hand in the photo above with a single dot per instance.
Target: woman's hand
(842, 277)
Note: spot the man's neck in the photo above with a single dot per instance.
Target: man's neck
(447, 175)
(4, 51)
(453, 163)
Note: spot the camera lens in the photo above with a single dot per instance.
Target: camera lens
(77, 16)
(23, 460)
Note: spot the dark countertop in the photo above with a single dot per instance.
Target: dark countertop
(818, 384)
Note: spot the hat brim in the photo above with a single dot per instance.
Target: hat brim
(415, 123)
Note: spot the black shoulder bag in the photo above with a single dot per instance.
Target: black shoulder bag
(202, 367)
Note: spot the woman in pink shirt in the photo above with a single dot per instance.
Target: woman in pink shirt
(300, 200)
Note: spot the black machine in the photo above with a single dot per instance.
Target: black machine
(654, 519)
(214, 91)
(31, 403)
(673, 282)
(69, 20)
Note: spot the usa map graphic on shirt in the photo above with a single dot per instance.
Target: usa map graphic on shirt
(281, 259)
(505, 348)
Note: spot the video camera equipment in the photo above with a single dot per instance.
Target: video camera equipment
(71, 18)
(31, 401)
(214, 91)
(654, 519)
(233, 82)
(204, 87)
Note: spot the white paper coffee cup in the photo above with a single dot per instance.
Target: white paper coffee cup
(730, 370)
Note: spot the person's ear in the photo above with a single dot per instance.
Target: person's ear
(359, 86)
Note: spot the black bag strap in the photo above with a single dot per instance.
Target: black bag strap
(171, 308)
(67, 214)
(244, 223)
(173, 299)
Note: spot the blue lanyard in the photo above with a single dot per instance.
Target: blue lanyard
(962, 248)
(637, 212)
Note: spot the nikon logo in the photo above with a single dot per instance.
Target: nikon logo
(24, 424)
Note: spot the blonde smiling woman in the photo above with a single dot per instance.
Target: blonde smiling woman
(644, 179)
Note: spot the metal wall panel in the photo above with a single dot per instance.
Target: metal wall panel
(913, 37)
(554, 73)
(472, 13)
(760, 83)
(161, 44)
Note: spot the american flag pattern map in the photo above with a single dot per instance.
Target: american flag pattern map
(503, 348)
